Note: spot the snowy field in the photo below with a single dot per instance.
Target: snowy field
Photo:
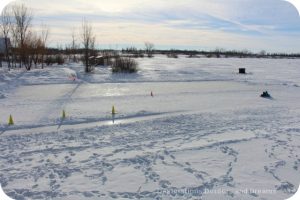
(206, 133)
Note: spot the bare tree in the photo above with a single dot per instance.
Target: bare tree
(35, 48)
(74, 45)
(43, 39)
(149, 49)
(22, 19)
(73, 39)
(88, 41)
(5, 27)
(31, 47)
(262, 53)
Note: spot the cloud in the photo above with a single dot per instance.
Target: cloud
(210, 23)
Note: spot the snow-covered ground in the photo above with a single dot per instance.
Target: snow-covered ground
(206, 133)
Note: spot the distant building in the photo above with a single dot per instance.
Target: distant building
(3, 46)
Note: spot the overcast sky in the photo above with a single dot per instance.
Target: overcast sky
(273, 25)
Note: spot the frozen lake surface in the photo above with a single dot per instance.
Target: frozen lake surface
(206, 133)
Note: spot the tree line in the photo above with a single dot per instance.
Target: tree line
(24, 46)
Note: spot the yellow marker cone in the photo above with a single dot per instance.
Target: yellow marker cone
(10, 121)
(113, 111)
(63, 114)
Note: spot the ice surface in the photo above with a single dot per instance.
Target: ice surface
(206, 133)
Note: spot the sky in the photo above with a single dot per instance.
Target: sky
(271, 25)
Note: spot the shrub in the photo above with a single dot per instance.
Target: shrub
(172, 55)
(124, 65)
(59, 59)
(49, 60)
(138, 55)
